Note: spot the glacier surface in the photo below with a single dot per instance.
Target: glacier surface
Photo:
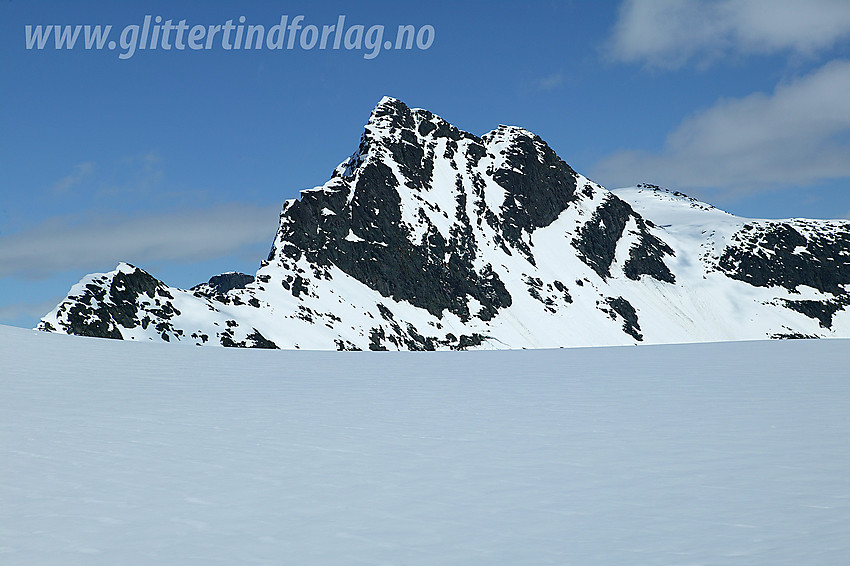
(119, 452)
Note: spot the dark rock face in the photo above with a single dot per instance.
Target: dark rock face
(254, 340)
(777, 254)
(625, 310)
(538, 185)
(647, 256)
(822, 311)
(793, 336)
(597, 240)
(597, 243)
(132, 298)
(105, 307)
(366, 238)
(225, 282)
(380, 253)
(356, 222)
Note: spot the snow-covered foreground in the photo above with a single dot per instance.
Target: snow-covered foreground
(141, 453)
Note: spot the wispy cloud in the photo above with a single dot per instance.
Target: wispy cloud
(670, 33)
(74, 178)
(551, 82)
(795, 136)
(60, 244)
(139, 175)
(19, 312)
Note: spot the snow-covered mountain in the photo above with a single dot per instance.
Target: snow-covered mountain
(429, 237)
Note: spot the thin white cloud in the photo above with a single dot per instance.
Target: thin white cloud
(13, 313)
(67, 243)
(80, 172)
(795, 136)
(669, 33)
(551, 82)
(140, 175)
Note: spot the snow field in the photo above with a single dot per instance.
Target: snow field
(141, 453)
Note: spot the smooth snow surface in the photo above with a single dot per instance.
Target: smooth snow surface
(122, 453)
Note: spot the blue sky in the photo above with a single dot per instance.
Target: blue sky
(178, 161)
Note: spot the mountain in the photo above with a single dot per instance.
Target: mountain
(429, 237)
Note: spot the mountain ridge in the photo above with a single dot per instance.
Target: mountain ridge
(428, 237)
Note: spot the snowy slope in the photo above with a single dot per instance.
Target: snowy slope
(429, 237)
(139, 453)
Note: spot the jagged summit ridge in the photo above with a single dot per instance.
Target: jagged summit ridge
(429, 237)
(435, 193)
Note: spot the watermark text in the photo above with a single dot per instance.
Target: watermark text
(156, 33)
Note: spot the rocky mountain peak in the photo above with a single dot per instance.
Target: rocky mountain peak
(430, 237)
